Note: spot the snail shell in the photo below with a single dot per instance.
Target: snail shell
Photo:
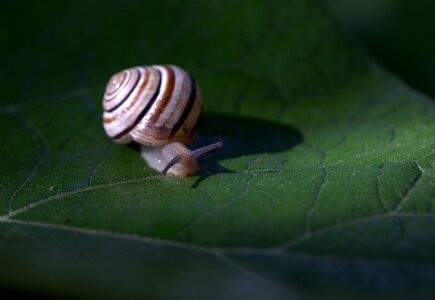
(152, 105)
(158, 107)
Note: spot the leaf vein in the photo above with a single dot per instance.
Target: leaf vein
(71, 193)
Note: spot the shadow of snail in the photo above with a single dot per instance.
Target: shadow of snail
(241, 136)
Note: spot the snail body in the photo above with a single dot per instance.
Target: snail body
(159, 107)
(175, 158)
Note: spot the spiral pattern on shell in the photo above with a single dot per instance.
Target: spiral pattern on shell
(152, 105)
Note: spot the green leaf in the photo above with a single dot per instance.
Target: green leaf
(325, 186)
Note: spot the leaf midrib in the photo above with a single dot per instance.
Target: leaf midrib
(283, 249)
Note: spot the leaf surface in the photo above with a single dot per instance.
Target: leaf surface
(325, 185)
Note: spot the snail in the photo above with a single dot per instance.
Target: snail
(159, 107)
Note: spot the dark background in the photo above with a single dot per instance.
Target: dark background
(399, 34)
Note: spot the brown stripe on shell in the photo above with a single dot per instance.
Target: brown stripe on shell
(108, 95)
(166, 96)
(187, 109)
(128, 94)
(143, 112)
(139, 91)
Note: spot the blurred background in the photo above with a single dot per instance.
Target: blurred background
(400, 34)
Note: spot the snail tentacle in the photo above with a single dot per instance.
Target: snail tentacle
(171, 163)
